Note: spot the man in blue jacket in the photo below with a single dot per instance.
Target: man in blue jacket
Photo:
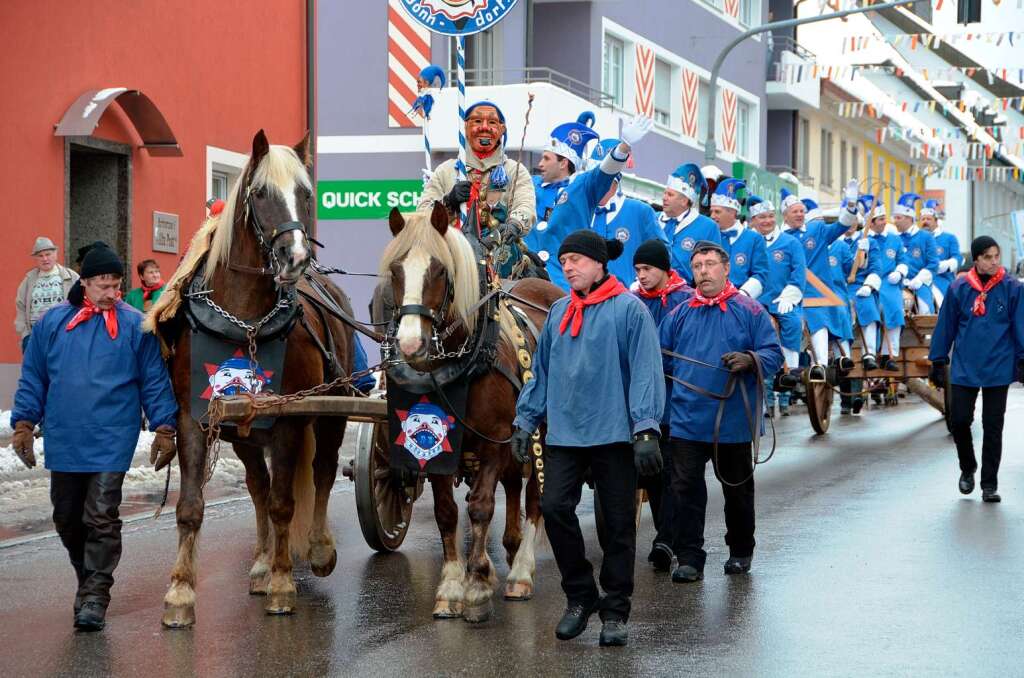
(717, 333)
(598, 418)
(947, 249)
(982, 321)
(90, 371)
(893, 270)
(748, 257)
(919, 253)
(681, 219)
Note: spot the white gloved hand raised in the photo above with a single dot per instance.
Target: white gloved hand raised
(851, 193)
(894, 278)
(863, 291)
(636, 129)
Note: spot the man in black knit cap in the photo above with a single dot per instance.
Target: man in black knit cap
(982, 321)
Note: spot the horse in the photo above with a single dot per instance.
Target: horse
(431, 271)
(255, 251)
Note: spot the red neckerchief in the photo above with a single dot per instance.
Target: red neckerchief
(90, 309)
(574, 313)
(983, 289)
(699, 299)
(147, 290)
(674, 283)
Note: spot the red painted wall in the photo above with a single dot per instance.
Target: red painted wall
(218, 71)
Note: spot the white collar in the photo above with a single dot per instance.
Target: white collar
(545, 184)
(739, 226)
(771, 237)
(617, 200)
(802, 229)
(912, 231)
(684, 219)
(937, 232)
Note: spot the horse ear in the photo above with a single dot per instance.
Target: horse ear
(302, 150)
(439, 218)
(396, 222)
(260, 147)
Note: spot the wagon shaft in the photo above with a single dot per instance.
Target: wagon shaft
(239, 408)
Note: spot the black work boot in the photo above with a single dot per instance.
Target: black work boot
(661, 558)
(686, 574)
(989, 494)
(574, 621)
(737, 565)
(614, 633)
(91, 617)
(869, 363)
(966, 482)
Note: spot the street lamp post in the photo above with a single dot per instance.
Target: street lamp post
(709, 144)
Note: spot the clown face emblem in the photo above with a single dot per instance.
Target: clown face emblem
(425, 428)
(235, 376)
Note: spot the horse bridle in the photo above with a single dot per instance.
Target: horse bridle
(267, 248)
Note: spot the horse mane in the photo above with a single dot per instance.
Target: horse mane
(279, 170)
(166, 307)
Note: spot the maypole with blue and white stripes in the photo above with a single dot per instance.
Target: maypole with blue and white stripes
(460, 82)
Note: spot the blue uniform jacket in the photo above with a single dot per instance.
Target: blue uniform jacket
(92, 389)
(659, 312)
(866, 308)
(786, 266)
(574, 208)
(890, 296)
(748, 256)
(840, 260)
(816, 237)
(631, 222)
(919, 253)
(985, 348)
(706, 333)
(685, 232)
(947, 247)
(576, 387)
(545, 194)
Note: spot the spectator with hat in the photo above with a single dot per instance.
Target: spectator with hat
(598, 418)
(91, 370)
(42, 288)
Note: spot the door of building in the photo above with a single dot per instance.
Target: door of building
(98, 198)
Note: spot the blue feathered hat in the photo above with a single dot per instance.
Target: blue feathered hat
(905, 205)
(756, 206)
(787, 199)
(931, 208)
(688, 180)
(570, 139)
(864, 201)
(725, 194)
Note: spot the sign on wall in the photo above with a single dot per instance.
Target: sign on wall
(458, 17)
(366, 198)
(165, 232)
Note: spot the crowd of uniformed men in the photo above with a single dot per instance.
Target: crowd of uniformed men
(680, 325)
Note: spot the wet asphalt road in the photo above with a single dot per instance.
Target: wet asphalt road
(868, 563)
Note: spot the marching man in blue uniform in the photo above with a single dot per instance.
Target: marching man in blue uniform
(982, 322)
(559, 161)
(599, 385)
(840, 320)
(784, 291)
(919, 253)
(816, 236)
(661, 289)
(719, 335)
(575, 205)
(892, 269)
(748, 257)
(628, 220)
(947, 249)
(681, 219)
(867, 284)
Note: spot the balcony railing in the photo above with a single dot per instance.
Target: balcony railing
(531, 74)
(784, 43)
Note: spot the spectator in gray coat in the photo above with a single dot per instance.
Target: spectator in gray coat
(44, 286)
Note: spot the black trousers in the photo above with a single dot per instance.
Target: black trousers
(614, 475)
(86, 515)
(659, 495)
(690, 496)
(993, 409)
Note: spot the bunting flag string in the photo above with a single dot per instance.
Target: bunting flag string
(856, 43)
(793, 73)
(850, 110)
(968, 173)
(947, 133)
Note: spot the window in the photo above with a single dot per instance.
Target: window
(855, 163)
(663, 93)
(803, 150)
(842, 162)
(826, 158)
(482, 58)
(223, 168)
(703, 92)
(871, 173)
(748, 12)
(743, 128)
(892, 186)
(880, 180)
(903, 183)
(220, 183)
(611, 76)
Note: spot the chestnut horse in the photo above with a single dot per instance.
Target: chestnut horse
(425, 260)
(258, 246)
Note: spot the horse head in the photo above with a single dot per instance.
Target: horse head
(276, 199)
(433, 278)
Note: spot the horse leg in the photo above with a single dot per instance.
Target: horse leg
(480, 576)
(450, 592)
(519, 585)
(512, 482)
(257, 479)
(180, 599)
(330, 433)
(289, 477)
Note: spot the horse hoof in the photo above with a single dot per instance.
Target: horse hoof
(281, 603)
(445, 609)
(178, 616)
(518, 590)
(258, 586)
(476, 614)
(324, 569)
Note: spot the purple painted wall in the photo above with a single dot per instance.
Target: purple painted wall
(560, 39)
(781, 139)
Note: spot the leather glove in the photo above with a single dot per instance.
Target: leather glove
(636, 129)
(894, 278)
(512, 229)
(737, 361)
(937, 373)
(459, 194)
(164, 447)
(521, 443)
(864, 291)
(24, 442)
(647, 454)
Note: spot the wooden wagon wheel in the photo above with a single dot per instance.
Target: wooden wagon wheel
(819, 403)
(384, 509)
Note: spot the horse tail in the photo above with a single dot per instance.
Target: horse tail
(304, 494)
